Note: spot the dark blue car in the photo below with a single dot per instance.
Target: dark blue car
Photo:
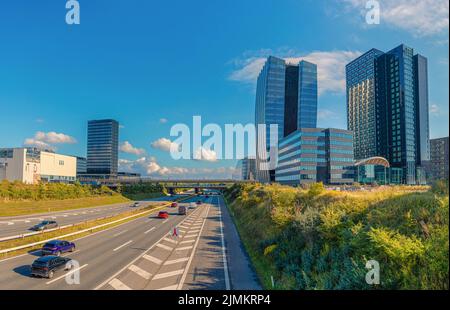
(56, 247)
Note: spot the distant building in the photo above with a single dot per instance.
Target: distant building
(313, 155)
(31, 165)
(81, 165)
(286, 95)
(102, 148)
(387, 108)
(248, 168)
(437, 167)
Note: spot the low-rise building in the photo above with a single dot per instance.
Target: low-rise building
(313, 155)
(32, 165)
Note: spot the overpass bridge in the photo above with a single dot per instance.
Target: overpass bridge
(170, 184)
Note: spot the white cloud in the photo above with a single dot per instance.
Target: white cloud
(164, 144)
(205, 154)
(148, 166)
(434, 109)
(163, 120)
(127, 147)
(45, 140)
(330, 68)
(420, 17)
(324, 114)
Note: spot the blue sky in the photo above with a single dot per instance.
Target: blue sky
(151, 64)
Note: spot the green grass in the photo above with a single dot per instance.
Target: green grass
(143, 196)
(14, 208)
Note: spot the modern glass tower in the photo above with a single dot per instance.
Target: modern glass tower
(387, 108)
(103, 147)
(360, 78)
(286, 95)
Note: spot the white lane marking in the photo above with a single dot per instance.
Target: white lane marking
(195, 231)
(132, 262)
(187, 241)
(125, 244)
(181, 226)
(153, 228)
(53, 217)
(140, 272)
(27, 221)
(174, 261)
(165, 247)
(64, 275)
(168, 288)
(118, 234)
(152, 259)
(149, 220)
(165, 221)
(184, 248)
(182, 231)
(10, 223)
(224, 256)
(65, 215)
(191, 236)
(74, 213)
(170, 240)
(186, 268)
(168, 274)
(118, 285)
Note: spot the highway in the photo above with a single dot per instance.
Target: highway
(144, 254)
(17, 225)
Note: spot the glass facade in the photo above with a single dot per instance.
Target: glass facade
(387, 108)
(316, 155)
(396, 110)
(103, 147)
(360, 79)
(286, 95)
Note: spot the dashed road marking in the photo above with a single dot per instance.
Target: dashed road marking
(168, 288)
(153, 228)
(175, 261)
(184, 248)
(165, 247)
(118, 285)
(170, 240)
(187, 241)
(168, 274)
(118, 234)
(65, 275)
(152, 259)
(125, 244)
(140, 272)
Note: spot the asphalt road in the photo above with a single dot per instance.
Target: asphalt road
(17, 225)
(144, 254)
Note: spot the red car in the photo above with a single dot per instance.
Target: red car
(174, 205)
(163, 214)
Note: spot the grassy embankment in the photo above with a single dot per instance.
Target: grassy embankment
(319, 239)
(21, 199)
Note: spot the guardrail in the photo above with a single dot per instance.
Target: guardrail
(84, 230)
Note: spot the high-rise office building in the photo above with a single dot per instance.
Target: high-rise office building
(103, 147)
(438, 165)
(312, 155)
(286, 95)
(388, 111)
(360, 78)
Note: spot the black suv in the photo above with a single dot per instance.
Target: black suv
(46, 266)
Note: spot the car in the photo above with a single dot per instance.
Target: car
(135, 205)
(56, 247)
(174, 205)
(207, 196)
(182, 210)
(44, 225)
(163, 214)
(192, 205)
(46, 266)
(199, 202)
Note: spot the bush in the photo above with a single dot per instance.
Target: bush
(316, 239)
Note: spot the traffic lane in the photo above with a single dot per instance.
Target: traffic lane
(154, 268)
(14, 226)
(207, 269)
(96, 250)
